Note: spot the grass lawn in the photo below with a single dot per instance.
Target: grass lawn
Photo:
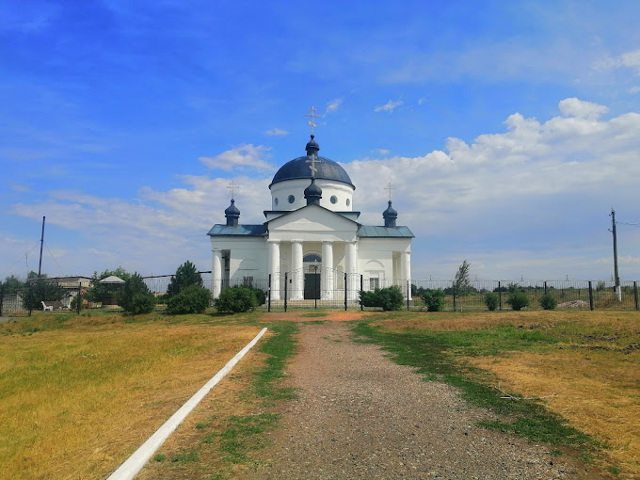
(78, 394)
(556, 375)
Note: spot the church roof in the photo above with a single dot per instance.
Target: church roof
(368, 231)
(300, 168)
(219, 230)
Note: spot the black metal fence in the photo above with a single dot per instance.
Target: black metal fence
(344, 293)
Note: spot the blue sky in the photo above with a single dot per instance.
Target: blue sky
(509, 129)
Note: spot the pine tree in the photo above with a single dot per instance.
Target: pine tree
(186, 275)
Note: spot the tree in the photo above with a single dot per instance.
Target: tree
(40, 290)
(100, 291)
(186, 275)
(135, 297)
(461, 284)
(11, 285)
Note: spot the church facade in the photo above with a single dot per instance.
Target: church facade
(311, 243)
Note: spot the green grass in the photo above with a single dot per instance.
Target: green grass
(432, 354)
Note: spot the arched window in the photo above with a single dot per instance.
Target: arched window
(312, 258)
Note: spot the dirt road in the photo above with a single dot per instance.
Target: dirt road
(361, 416)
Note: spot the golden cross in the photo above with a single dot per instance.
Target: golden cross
(312, 117)
(233, 187)
(313, 159)
(390, 189)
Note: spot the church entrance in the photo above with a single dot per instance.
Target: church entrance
(312, 267)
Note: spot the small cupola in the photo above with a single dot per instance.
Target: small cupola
(232, 213)
(312, 147)
(390, 216)
(313, 193)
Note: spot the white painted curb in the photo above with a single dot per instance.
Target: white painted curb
(135, 462)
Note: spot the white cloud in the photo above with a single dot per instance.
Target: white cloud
(244, 156)
(276, 132)
(333, 105)
(630, 60)
(390, 106)
(580, 109)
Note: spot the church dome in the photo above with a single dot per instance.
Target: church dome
(300, 168)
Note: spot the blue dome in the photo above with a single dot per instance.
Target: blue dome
(300, 168)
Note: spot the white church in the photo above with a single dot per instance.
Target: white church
(311, 243)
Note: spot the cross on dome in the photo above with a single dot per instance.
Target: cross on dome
(313, 159)
(312, 116)
(389, 188)
(233, 188)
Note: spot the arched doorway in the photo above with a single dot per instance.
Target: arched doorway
(312, 266)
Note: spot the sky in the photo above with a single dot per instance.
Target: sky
(510, 130)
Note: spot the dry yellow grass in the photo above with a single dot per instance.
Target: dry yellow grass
(75, 402)
(591, 377)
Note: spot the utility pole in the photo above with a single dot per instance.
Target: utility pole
(616, 276)
(41, 245)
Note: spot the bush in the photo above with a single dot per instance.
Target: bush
(135, 297)
(186, 275)
(388, 299)
(236, 300)
(491, 300)
(518, 300)
(548, 302)
(434, 300)
(192, 299)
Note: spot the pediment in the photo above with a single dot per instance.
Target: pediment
(312, 221)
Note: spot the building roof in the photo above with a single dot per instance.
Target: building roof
(369, 231)
(219, 230)
(300, 168)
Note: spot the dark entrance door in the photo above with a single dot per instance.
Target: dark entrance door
(311, 286)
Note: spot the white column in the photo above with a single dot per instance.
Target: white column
(350, 269)
(327, 271)
(297, 274)
(405, 259)
(274, 268)
(216, 273)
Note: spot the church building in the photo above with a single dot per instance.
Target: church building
(311, 239)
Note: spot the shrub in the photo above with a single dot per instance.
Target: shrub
(135, 297)
(491, 300)
(548, 302)
(434, 300)
(518, 300)
(192, 299)
(388, 299)
(186, 275)
(236, 300)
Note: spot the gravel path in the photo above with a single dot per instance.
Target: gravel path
(361, 416)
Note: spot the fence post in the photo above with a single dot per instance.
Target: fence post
(286, 288)
(591, 306)
(545, 287)
(345, 290)
(361, 290)
(635, 294)
(408, 295)
(269, 294)
(1, 297)
(79, 298)
(499, 296)
(453, 288)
